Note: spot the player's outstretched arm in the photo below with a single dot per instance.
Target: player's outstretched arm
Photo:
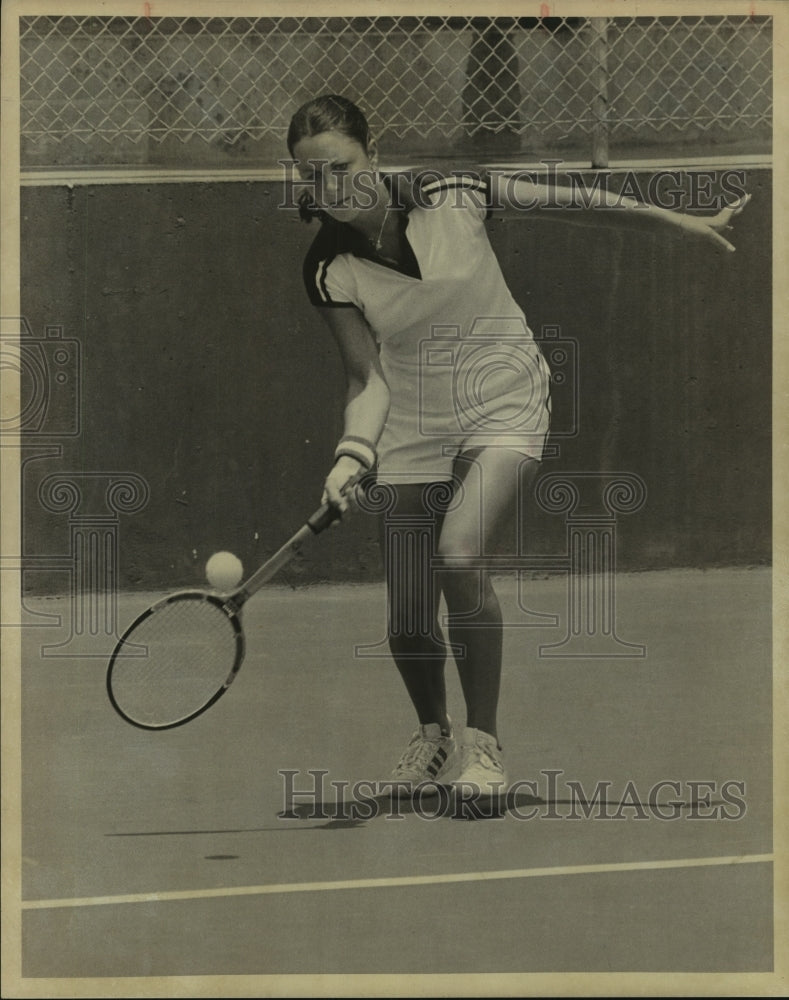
(366, 403)
(714, 225)
(599, 207)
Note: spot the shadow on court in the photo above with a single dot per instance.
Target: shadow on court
(634, 835)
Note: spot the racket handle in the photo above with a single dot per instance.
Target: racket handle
(328, 513)
(322, 518)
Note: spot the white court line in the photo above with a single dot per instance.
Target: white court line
(389, 883)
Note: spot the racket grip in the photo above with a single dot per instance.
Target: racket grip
(322, 518)
(328, 513)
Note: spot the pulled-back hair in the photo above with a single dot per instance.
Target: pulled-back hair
(329, 113)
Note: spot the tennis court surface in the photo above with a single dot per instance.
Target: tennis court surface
(243, 844)
(161, 262)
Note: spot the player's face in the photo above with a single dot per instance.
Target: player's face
(342, 173)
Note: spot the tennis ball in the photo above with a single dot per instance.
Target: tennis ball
(224, 570)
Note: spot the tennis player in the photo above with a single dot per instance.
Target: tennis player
(447, 400)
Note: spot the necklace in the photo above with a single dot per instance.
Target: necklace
(378, 242)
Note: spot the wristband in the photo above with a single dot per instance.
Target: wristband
(357, 447)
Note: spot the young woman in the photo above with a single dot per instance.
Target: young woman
(445, 385)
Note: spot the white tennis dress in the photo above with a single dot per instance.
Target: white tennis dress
(461, 363)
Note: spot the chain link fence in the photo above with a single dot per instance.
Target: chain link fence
(219, 90)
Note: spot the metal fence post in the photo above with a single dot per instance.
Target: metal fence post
(599, 54)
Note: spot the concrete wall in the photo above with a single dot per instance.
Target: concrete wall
(205, 371)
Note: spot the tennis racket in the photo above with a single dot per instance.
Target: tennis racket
(180, 656)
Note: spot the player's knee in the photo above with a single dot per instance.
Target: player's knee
(459, 557)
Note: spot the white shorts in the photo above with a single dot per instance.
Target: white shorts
(440, 414)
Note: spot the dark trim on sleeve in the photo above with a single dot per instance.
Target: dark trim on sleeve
(431, 181)
(327, 245)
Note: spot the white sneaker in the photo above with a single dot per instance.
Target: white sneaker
(482, 772)
(429, 755)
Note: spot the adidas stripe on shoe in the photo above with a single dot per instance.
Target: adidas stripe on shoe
(428, 757)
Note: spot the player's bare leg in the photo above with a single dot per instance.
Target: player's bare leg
(409, 536)
(493, 479)
(413, 593)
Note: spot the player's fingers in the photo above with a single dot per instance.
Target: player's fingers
(724, 217)
(326, 499)
(338, 514)
(724, 243)
(354, 495)
(332, 495)
(740, 204)
(336, 497)
(341, 506)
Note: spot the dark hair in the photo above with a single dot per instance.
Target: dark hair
(329, 113)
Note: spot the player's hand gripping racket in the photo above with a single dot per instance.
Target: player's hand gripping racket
(180, 656)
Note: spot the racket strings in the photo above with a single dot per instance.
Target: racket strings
(173, 662)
